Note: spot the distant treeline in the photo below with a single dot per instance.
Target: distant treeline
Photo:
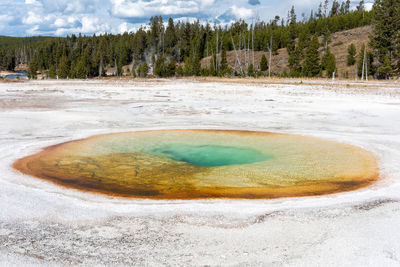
(178, 48)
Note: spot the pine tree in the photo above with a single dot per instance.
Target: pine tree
(63, 68)
(325, 58)
(370, 63)
(361, 6)
(213, 71)
(120, 71)
(397, 53)
(351, 55)
(296, 57)
(386, 28)
(72, 70)
(143, 70)
(160, 68)
(347, 6)
(250, 71)
(335, 8)
(385, 70)
(133, 72)
(196, 66)
(291, 43)
(329, 63)
(32, 70)
(325, 7)
(295, 62)
(52, 72)
(224, 62)
(179, 71)
(319, 12)
(342, 9)
(170, 69)
(187, 68)
(170, 38)
(326, 34)
(263, 63)
(140, 44)
(80, 72)
(156, 31)
(311, 66)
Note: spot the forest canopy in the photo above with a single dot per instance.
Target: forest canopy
(176, 47)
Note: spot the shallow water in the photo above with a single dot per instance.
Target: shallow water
(17, 75)
(210, 155)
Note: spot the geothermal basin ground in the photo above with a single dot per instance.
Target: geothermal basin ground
(43, 224)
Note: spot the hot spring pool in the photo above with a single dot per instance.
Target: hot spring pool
(209, 156)
(191, 164)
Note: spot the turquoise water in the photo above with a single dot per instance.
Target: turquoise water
(210, 155)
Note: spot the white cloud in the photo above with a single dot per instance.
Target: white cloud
(123, 27)
(5, 18)
(206, 3)
(31, 2)
(93, 25)
(241, 12)
(59, 22)
(33, 30)
(89, 25)
(65, 22)
(61, 17)
(147, 8)
(368, 6)
(32, 18)
(75, 7)
(62, 31)
(127, 27)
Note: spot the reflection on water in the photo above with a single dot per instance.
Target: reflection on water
(190, 164)
(15, 75)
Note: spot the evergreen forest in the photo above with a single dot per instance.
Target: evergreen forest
(176, 48)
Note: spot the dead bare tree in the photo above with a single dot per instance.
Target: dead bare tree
(270, 57)
(101, 66)
(237, 56)
(248, 49)
(252, 41)
(364, 65)
(216, 51)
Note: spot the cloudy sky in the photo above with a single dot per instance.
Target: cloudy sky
(63, 17)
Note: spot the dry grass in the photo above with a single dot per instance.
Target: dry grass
(10, 80)
(323, 82)
(338, 46)
(340, 43)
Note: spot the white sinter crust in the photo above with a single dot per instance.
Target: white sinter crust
(43, 224)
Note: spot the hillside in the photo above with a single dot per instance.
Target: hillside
(12, 41)
(338, 46)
